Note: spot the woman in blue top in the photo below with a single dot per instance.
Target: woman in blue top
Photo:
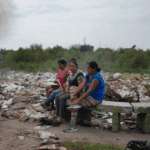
(94, 93)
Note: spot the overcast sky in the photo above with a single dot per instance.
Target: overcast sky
(104, 23)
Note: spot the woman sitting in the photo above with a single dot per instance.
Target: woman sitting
(93, 95)
(74, 80)
(61, 77)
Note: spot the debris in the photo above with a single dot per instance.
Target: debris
(42, 127)
(21, 137)
(7, 103)
(51, 147)
(138, 145)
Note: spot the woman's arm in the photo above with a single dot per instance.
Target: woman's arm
(66, 90)
(81, 86)
(65, 75)
(92, 87)
(55, 81)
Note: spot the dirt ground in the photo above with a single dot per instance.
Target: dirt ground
(11, 129)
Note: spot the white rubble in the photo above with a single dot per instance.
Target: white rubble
(45, 135)
(116, 75)
(7, 103)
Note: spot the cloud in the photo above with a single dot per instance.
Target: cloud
(5, 17)
(64, 22)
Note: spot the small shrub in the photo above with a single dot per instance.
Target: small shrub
(148, 93)
(147, 86)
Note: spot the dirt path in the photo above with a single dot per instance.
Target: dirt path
(11, 129)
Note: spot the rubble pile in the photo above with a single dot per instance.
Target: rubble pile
(21, 94)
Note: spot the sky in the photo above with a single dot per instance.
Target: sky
(102, 23)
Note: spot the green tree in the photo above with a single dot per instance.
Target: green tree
(86, 48)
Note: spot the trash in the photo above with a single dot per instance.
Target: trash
(21, 137)
(116, 75)
(7, 103)
(38, 101)
(42, 127)
(138, 145)
(51, 147)
(45, 135)
(38, 107)
(28, 132)
(109, 120)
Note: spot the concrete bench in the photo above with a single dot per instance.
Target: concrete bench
(143, 110)
(143, 116)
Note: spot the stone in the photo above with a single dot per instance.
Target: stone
(19, 106)
(124, 127)
(106, 126)
(24, 117)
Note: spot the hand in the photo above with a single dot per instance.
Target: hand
(72, 98)
(75, 102)
(39, 84)
(65, 92)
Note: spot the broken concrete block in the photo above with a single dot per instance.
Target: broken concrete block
(19, 106)
(24, 117)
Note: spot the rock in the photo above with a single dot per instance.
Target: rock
(24, 118)
(106, 126)
(116, 76)
(124, 127)
(10, 114)
(19, 106)
(134, 116)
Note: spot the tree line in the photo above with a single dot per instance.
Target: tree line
(36, 58)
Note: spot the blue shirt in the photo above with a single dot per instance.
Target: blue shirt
(99, 92)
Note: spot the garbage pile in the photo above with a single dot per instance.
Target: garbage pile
(129, 90)
(21, 93)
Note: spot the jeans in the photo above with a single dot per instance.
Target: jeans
(60, 103)
(50, 99)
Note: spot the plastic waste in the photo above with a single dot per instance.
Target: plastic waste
(138, 145)
(42, 127)
(21, 137)
(116, 75)
(38, 107)
(6, 103)
(46, 135)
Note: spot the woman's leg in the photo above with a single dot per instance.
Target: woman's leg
(48, 90)
(87, 102)
(51, 97)
(57, 97)
(62, 102)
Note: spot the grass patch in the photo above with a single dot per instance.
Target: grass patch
(123, 77)
(95, 108)
(25, 85)
(110, 79)
(90, 146)
(147, 86)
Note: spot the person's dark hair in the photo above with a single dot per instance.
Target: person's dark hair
(62, 61)
(73, 60)
(94, 65)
